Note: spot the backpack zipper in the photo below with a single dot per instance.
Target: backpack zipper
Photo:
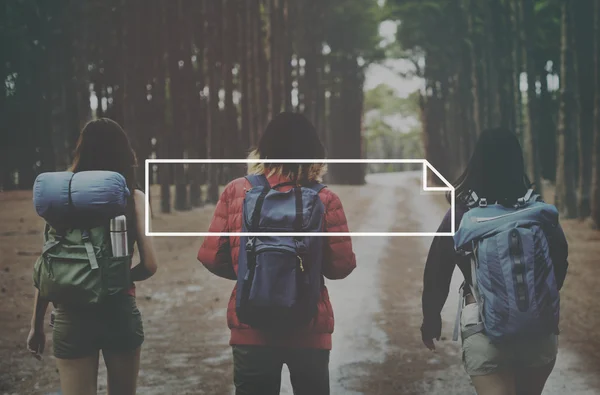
(300, 262)
(279, 249)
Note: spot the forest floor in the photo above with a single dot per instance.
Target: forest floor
(377, 346)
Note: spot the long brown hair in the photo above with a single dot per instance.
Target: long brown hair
(103, 145)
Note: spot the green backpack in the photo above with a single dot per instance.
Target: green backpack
(77, 267)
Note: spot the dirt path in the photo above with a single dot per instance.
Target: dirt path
(408, 367)
(377, 346)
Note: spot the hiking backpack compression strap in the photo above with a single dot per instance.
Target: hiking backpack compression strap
(89, 247)
(298, 219)
(256, 181)
(48, 245)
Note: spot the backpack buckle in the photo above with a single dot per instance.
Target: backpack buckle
(300, 246)
(472, 200)
(483, 202)
(250, 244)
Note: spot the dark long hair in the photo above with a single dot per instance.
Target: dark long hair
(496, 171)
(290, 136)
(103, 145)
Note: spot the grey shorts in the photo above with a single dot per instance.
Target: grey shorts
(481, 356)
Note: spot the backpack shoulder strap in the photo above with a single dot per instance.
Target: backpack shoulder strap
(316, 187)
(472, 200)
(257, 180)
(530, 197)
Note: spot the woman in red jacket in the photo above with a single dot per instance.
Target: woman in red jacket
(258, 356)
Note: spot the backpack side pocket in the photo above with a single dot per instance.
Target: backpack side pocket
(116, 272)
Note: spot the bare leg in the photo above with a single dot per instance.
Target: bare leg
(495, 384)
(531, 381)
(78, 376)
(122, 369)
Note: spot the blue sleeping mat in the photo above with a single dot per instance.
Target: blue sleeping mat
(66, 199)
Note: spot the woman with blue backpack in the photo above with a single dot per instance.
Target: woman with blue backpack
(279, 311)
(85, 268)
(513, 255)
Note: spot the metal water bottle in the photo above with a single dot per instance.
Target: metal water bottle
(118, 236)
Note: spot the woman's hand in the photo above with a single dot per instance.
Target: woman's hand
(429, 344)
(36, 342)
(431, 330)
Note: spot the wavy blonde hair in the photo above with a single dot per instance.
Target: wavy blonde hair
(307, 172)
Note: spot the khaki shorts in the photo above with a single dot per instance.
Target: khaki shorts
(115, 325)
(481, 357)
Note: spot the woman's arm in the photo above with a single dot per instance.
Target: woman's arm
(39, 312)
(340, 259)
(559, 252)
(436, 281)
(215, 252)
(148, 265)
(36, 341)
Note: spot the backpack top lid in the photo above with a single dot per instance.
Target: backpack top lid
(66, 199)
(484, 220)
(271, 210)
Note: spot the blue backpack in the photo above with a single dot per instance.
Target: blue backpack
(279, 277)
(512, 272)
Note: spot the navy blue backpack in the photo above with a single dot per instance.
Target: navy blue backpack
(279, 277)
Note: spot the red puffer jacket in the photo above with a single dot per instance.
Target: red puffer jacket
(220, 256)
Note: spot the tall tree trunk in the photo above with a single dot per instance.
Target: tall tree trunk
(547, 146)
(516, 54)
(251, 64)
(213, 71)
(567, 125)
(230, 124)
(275, 47)
(476, 113)
(583, 18)
(595, 190)
(263, 90)
(195, 18)
(287, 52)
(245, 73)
(311, 26)
(530, 127)
(162, 127)
(258, 68)
(491, 52)
(178, 61)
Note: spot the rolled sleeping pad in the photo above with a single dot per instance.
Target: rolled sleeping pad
(67, 199)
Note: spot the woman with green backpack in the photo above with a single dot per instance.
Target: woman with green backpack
(513, 255)
(103, 315)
